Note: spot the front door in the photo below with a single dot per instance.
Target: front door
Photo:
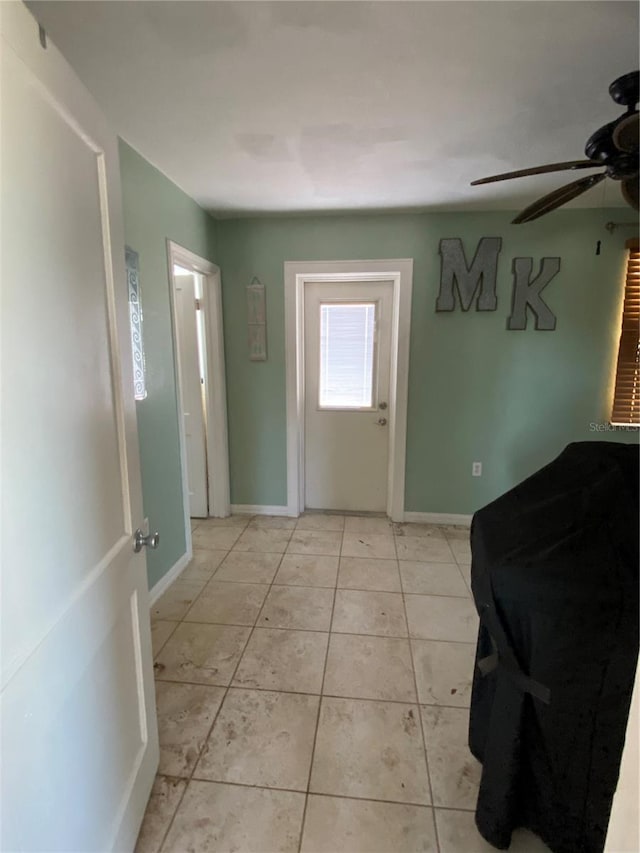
(78, 727)
(347, 353)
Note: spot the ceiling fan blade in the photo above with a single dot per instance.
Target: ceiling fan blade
(558, 197)
(539, 170)
(629, 189)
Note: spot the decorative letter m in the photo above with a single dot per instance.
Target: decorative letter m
(480, 275)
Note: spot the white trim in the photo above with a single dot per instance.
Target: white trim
(296, 275)
(184, 258)
(167, 579)
(258, 509)
(438, 518)
(215, 389)
(216, 399)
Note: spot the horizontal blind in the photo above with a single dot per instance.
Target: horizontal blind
(626, 398)
(346, 355)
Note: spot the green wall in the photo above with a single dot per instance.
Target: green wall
(476, 391)
(156, 209)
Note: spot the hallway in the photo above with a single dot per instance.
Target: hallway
(313, 682)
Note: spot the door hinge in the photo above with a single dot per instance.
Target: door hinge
(198, 305)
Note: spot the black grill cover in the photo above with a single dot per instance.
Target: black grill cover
(554, 576)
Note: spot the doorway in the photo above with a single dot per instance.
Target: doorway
(196, 300)
(347, 352)
(347, 356)
(190, 339)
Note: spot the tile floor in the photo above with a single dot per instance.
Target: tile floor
(313, 685)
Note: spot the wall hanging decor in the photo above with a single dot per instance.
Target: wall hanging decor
(257, 320)
(483, 271)
(478, 281)
(526, 294)
(135, 323)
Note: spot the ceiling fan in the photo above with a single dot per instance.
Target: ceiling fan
(614, 146)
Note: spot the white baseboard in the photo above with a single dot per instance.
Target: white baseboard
(167, 579)
(258, 509)
(438, 518)
(415, 517)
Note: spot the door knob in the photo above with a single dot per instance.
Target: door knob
(381, 422)
(151, 540)
(382, 406)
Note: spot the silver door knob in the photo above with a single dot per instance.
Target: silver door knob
(151, 540)
(381, 422)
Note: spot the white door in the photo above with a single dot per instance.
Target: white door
(78, 728)
(191, 379)
(347, 353)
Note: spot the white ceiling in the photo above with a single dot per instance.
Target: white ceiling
(328, 106)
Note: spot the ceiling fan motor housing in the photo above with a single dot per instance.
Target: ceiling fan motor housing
(600, 144)
(615, 145)
(626, 89)
(622, 166)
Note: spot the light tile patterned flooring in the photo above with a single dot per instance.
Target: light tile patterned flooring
(313, 685)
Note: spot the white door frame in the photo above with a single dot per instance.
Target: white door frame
(296, 275)
(215, 385)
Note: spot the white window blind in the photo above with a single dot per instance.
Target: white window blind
(347, 345)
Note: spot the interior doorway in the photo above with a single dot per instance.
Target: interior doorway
(189, 323)
(196, 300)
(347, 353)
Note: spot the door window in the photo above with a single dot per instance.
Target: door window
(347, 355)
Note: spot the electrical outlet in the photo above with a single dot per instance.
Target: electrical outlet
(476, 469)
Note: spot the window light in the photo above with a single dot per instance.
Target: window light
(626, 397)
(347, 345)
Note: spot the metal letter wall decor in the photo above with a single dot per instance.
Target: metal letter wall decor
(481, 274)
(527, 293)
(479, 281)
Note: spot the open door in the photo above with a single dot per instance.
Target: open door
(187, 306)
(78, 730)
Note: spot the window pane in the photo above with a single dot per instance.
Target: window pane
(346, 355)
(135, 321)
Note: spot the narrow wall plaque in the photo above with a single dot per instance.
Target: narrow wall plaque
(257, 321)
